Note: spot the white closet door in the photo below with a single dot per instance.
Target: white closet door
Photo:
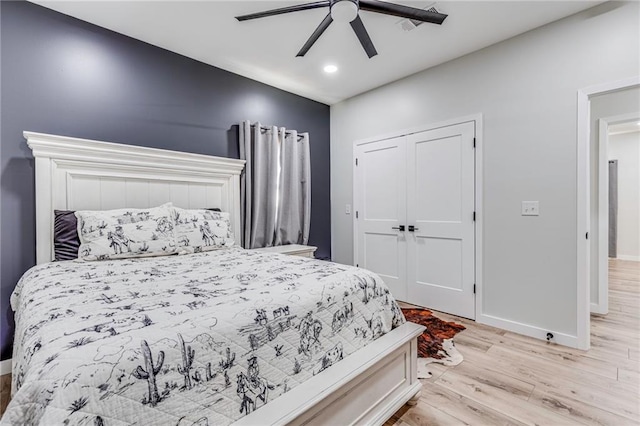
(380, 203)
(440, 205)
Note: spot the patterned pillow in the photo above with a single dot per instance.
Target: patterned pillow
(116, 234)
(201, 230)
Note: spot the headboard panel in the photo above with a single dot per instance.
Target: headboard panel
(80, 174)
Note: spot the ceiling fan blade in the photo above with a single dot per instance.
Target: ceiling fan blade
(316, 35)
(288, 9)
(363, 36)
(402, 11)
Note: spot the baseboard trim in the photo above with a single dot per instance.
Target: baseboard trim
(626, 257)
(530, 330)
(5, 367)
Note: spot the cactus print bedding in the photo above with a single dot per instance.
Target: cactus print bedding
(201, 339)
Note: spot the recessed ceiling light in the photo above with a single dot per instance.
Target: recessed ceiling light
(638, 123)
(330, 69)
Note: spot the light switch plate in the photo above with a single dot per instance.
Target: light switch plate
(530, 208)
(347, 209)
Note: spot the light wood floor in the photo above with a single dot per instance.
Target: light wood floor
(507, 378)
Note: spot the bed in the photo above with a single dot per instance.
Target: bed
(221, 337)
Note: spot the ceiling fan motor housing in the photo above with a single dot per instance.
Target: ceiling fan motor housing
(344, 10)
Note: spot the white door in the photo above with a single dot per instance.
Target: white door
(380, 204)
(440, 208)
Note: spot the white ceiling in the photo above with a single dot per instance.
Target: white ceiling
(265, 49)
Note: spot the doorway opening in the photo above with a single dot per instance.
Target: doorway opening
(617, 308)
(618, 202)
(601, 109)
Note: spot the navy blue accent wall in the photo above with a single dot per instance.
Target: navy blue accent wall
(64, 76)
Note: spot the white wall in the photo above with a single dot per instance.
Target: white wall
(626, 149)
(603, 106)
(526, 88)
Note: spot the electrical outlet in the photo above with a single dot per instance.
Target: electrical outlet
(530, 208)
(347, 209)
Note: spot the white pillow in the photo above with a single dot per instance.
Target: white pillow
(201, 230)
(124, 233)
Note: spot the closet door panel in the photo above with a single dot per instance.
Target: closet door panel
(440, 205)
(440, 262)
(438, 176)
(380, 205)
(381, 253)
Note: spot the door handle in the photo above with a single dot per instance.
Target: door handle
(399, 228)
(413, 228)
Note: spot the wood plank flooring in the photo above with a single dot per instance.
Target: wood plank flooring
(509, 379)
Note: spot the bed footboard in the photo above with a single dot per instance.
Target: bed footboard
(367, 387)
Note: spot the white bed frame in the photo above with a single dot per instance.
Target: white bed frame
(367, 387)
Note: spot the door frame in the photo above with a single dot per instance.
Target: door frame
(602, 307)
(583, 202)
(477, 119)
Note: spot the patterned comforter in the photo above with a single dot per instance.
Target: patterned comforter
(183, 340)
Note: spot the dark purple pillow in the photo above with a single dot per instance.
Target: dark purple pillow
(65, 235)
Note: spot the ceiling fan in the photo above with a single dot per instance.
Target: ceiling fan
(348, 11)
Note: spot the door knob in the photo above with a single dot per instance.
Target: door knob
(399, 228)
(413, 228)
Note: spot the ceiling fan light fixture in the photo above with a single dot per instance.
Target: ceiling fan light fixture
(344, 10)
(347, 11)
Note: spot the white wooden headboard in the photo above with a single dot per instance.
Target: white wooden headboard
(81, 174)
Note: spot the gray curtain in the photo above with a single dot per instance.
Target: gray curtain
(294, 206)
(613, 208)
(275, 186)
(258, 184)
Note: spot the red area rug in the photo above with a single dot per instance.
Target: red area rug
(436, 343)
